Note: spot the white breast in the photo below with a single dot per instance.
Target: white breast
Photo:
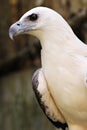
(65, 76)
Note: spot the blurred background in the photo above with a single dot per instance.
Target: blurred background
(19, 109)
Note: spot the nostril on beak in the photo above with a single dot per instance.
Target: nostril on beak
(18, 24)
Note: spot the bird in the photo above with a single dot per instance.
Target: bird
(60, 85)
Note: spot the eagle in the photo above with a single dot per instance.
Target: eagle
(60, 85)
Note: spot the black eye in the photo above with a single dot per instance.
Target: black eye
(33, 17)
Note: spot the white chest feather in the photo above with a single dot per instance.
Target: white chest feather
(65, 75)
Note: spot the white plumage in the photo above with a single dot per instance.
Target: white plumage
(64, 63)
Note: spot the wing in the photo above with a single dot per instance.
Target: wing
(45, 100)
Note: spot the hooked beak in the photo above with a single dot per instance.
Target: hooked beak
(16, 29)
(21, 27)
(13, 30)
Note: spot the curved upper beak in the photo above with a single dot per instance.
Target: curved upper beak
(20, 27)
(15, 29)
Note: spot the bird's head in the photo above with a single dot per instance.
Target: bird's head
(38, 21)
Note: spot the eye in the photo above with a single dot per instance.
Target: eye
(33, 17)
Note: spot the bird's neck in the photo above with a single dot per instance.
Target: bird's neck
(55, 42)
(53, 48)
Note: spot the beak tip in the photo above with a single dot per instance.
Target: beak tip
(11, 33)
(11, 36)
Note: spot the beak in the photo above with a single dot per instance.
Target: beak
(20, 28)
(15, 29)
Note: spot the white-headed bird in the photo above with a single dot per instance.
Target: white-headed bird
(61, 84)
